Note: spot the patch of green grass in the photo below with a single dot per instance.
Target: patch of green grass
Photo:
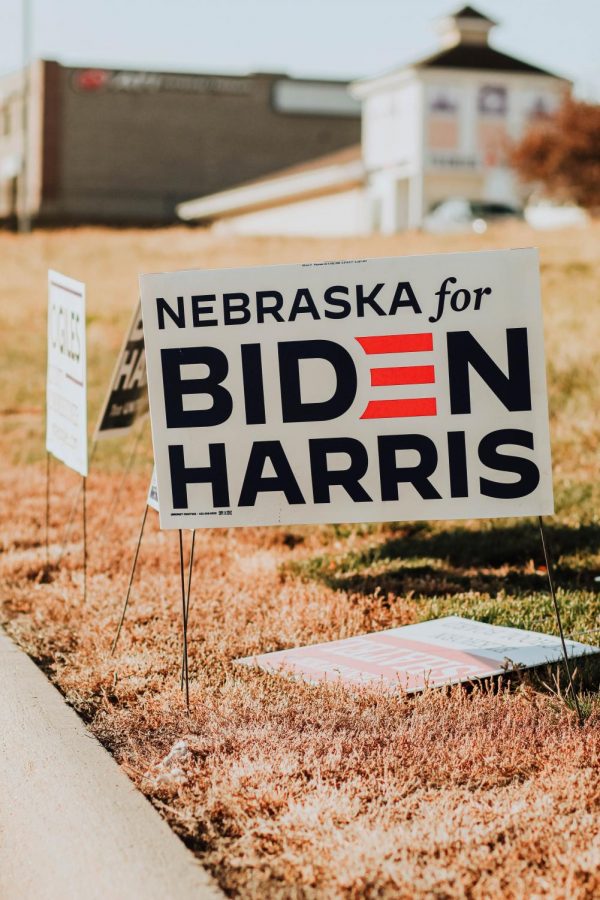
(534, 612)
(493, 572)
(575, 498)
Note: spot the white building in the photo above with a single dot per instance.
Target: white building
(440, 127)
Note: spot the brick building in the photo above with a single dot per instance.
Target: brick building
(119, 146)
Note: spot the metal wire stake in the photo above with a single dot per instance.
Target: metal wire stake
(133, 567)
(84, 541)
(47, 510)
(183, 608)
(549, 569)
(115, 498)
(187, 603)
(67, 531)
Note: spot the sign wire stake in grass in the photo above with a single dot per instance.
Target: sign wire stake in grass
(549, 569)
(74, 505)
(133, 568)
(84, 513)
(69, 525)
(47, 510)
(124, 477)
(184, 617)
(187, 604)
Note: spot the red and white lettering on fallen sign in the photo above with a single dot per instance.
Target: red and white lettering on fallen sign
(429, 654)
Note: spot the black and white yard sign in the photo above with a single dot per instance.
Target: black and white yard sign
(369, 390)
(127, 398)
(66, 385)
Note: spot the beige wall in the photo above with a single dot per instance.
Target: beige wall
(473, 186)
(457, 184)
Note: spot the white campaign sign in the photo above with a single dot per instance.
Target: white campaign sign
(414, 657)
(368, 390)
(152, 497)
(66, 386)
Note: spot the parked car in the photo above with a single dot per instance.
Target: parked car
(547, 215)
(459, 214)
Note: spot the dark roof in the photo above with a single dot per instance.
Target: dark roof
(479, 56)
(471, 13)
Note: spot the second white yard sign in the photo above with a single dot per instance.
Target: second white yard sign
(66, 379)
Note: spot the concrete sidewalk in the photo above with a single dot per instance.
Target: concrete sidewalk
(72, 825)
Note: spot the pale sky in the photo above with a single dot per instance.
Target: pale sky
(329, 38)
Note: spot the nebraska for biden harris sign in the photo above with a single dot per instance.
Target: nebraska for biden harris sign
(370, 390)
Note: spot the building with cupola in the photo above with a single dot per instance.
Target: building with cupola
(434, 128)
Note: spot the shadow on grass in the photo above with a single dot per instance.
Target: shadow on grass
(430, 581)
(501, 557)
(499, 545)
(458, 547)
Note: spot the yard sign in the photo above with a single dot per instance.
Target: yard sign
(127, 398)
(427, 654)
(358, 391)
(66, 391)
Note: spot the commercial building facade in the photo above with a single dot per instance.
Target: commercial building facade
(120, 146)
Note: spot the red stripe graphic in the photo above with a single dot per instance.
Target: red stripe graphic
(391, 409)
(383, 656)
(402, 375)
(396, 343)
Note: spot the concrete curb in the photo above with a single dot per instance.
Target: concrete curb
(72, 825)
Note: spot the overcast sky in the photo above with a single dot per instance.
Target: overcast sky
(333, 38)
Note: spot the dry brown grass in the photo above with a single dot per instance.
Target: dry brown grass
(288, 790)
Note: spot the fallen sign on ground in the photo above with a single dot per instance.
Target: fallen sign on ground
(357, 391)
(412, 658)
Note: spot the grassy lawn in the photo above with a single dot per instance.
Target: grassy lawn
(283, 789)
